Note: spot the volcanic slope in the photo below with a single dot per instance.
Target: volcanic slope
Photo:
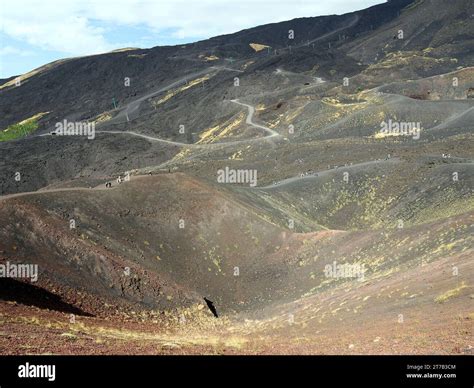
(131, 252)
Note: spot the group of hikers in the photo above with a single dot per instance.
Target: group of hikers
(119, 180)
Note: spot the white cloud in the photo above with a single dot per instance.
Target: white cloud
(69, 35)
(10, 50)
(70, 26)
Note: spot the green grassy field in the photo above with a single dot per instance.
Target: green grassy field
(21, 129)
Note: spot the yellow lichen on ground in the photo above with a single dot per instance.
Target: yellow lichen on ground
(181, 156)
(125, 49)
(208, 58)
(247, 64)
(296, 112)
(220, 131)
(33, 118)
(236, 156)
(382, 135)
(140, 56)
(450, 293)
(174, 92)
(106, 116)
(258, 47)
(403, 58)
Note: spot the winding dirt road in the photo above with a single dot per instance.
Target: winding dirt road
(249, 120)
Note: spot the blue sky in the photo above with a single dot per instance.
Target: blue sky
(36, 32)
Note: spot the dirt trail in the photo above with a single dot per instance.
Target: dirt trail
(323, 173)
(100, 187)
(249, 121)
(352, 23)
(127, 110)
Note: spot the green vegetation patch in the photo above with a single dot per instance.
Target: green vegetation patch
(21, 129)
